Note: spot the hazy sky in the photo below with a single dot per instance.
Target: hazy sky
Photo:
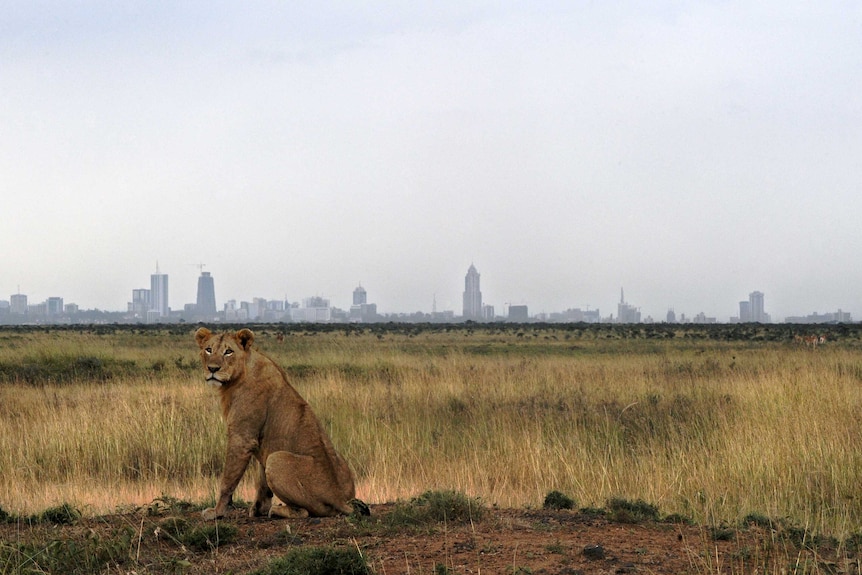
(690, 152)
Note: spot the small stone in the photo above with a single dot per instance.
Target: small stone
(594, 552)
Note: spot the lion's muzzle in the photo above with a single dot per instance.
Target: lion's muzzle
(211, 377)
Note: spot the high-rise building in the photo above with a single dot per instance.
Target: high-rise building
(206, 302)
(54, 306)
(159, 293)
(753, 309)
(361, 310)
(360, 296)
(755, 300)
(518, 313)
(18, 303)
(472, 295)
(745, 311)
(627, 313)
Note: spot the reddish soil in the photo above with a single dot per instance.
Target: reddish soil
(507, 541)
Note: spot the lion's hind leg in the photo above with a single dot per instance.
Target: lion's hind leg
(263, 500)
(303, 483)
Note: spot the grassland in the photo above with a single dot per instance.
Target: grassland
(714, 423)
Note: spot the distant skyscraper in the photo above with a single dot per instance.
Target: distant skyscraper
(159, 293)
(755, 299)
(206, 304)
(359, 296)
(140, 304)
(518, 313)
(19, 303)
(745, 311)
(627, 313)
(54, 306)
(472, 295)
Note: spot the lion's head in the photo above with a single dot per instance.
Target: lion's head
(224, 355)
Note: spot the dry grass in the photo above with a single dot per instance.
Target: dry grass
(709, 429)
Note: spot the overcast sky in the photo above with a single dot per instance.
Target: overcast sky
(690, 152)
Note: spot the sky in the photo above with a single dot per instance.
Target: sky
(688, 152)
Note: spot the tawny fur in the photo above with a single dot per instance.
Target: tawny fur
(267, 419)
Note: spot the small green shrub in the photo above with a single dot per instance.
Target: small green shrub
(624, 511)
(722, 533)
(174, 528)
(170, 504)
(318, 561)
(85, 555)
(64, 514)
(678, 518)
(558, 500)
(757, 519)
(436, 507)
(204, 538)
(210, 536)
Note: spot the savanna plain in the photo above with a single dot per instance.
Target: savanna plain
(480, 448)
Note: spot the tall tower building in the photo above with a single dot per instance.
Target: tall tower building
(206, 303)
(472, 295)
(360, 296)
(627, 313)
(159, 293)
(745, 311)
(755, 300)
(18, 303)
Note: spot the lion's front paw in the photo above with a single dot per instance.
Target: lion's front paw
(210, 514)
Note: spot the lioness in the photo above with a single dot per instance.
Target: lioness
(266, 418)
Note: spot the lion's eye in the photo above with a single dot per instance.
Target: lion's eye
(228, 352)
(208, 351)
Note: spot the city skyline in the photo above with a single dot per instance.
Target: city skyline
(690, 152)
(153, 306)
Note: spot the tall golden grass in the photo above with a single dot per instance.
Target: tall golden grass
(713, 430)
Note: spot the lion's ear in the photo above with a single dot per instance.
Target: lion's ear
(245, 338)
(201, 335)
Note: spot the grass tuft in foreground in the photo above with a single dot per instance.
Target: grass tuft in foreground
(431, 507)
(318, 561)
(89, 554)
(558, 500)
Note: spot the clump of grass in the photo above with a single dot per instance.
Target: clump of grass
(446, 506)
(625, 511)
(210, 536)
(170, 504)
(558, 500)
(203, 538)
(64, 514)
(678, 518)
(758, 520)
(318, 561)
(90, 553)
(722, 533)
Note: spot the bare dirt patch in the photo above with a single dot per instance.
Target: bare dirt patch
(509, 541)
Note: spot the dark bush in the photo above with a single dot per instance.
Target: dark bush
(558, 500)
(318, 561)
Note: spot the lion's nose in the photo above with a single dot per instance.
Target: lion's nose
(213, 368)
